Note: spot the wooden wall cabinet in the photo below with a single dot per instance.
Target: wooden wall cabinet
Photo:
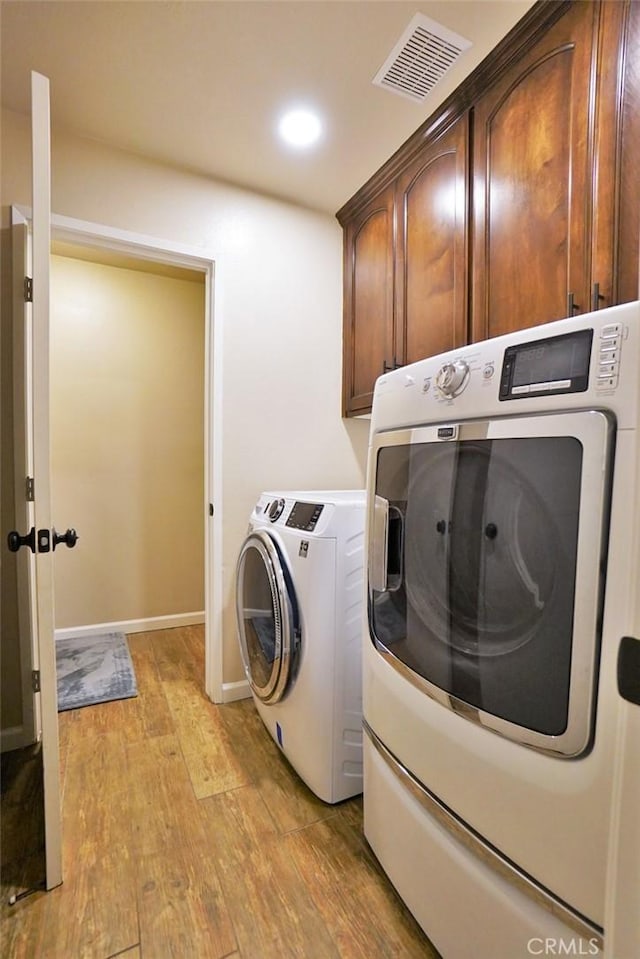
(369, 250)
(546, 170)
(431, 248)
(523, 211)
(405, 268)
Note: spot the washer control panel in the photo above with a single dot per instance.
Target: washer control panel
(304, 516)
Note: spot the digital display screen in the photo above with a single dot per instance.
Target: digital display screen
(559, 358)
(304, 515)
(557, 364)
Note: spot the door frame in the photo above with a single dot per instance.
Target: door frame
(143, 247)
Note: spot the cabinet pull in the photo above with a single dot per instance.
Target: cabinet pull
(596, 296)
(390, 367)
(571, 306)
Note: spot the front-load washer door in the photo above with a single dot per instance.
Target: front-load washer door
(486, 565)
(267, 617)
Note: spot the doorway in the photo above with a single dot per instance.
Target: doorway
(127, 441)
(161, 255)
(168, 255)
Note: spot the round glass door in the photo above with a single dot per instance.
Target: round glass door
(487, 554)
(267, 617)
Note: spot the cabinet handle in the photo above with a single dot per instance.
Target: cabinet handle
(390, 367)
(596, 296)
(571, 306)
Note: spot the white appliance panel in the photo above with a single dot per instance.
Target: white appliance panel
(553, 817)
(317, 721)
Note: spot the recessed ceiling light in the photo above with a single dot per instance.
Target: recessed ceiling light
(300, 128)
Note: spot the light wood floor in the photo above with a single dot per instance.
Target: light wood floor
(187, 834)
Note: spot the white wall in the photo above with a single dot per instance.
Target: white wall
(279, 279)
(127, 441)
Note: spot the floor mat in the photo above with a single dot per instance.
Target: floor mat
(94, 669)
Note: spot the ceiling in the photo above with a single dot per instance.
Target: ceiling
(200, 84)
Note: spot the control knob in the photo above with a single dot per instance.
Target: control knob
(276, 509)
(452, 378)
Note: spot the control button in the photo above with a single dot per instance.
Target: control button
(520, 390)
(452, 378)
(607, 369)
(488, 371)
(426, 384)
(606, 382)
(611, 329)
(540, 387)
(610, 344)
(609, 356)
(560, 385)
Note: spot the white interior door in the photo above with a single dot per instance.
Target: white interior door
(23, 471)
(33, 539)
(41, 200)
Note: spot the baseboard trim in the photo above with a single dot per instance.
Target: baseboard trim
(14, 737)
(132, 625)
(234, 691)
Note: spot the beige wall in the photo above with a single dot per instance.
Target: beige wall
(127, 442)
(279, 287)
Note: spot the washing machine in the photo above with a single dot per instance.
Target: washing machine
(502, 648)
(299, 603)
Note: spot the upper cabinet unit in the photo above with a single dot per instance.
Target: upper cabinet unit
(546, 164)
(405, 255)
(514, 204)
(532, 196)
(431, 248)
(369, 250)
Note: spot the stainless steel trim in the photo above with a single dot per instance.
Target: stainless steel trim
(379, 544)
(595, 430)
(480, 848)
(273, 691)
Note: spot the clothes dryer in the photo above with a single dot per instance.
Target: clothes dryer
(299, 603)
(502, 654)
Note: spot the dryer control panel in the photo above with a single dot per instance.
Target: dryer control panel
(555, 364)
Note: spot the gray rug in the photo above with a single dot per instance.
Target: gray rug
(94, 669)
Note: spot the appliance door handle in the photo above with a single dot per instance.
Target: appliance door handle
(379, 545)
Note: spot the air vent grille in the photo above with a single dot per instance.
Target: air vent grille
(421, 57)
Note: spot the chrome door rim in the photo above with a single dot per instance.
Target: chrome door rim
(275, 688)
(595, 429)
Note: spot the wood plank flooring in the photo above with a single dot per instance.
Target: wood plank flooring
(186, 834)
(22, 863)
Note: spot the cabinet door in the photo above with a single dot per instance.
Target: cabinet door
(532, 182)
(431, 262)
(616, 210)
(368, 305)
(627, 258)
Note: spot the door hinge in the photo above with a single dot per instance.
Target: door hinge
(31, 495)
(28, 289)
(35, 680)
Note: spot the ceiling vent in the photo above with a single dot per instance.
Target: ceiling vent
(421, 57)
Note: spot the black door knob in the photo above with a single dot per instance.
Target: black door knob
(15, 540)
(70, 538)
